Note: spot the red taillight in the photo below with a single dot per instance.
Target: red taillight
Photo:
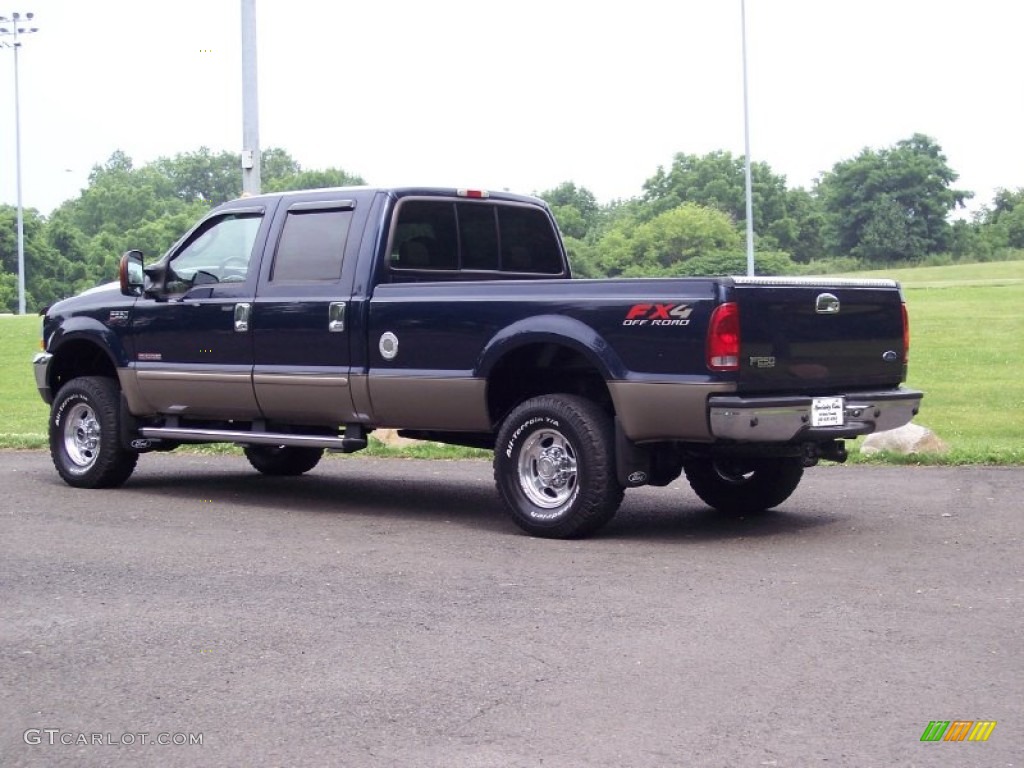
(906, 334)
(723, 348)
(477, 194)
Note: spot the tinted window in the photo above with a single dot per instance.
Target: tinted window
(478, 236)
(472, 236)
(528, 241)
(425, 236)
(311, 246)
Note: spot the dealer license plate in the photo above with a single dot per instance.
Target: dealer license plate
(827, 412)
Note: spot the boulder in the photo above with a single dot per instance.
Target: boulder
(910, 438)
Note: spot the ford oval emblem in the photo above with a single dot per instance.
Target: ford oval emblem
(637, 478)
(890, 356)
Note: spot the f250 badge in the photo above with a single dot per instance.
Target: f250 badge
(658, 314)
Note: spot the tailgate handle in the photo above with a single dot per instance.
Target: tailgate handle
(826, 304)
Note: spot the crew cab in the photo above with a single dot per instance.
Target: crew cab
(297, 323)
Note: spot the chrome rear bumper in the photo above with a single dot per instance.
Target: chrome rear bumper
(788, 419)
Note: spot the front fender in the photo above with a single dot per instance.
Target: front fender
(552, 329)
(91, 330)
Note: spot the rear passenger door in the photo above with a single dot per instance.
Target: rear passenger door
(301, 319)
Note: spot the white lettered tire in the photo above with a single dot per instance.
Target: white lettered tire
(85, 439)
(554, 466)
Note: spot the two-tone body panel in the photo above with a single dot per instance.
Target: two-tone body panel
(436, 311)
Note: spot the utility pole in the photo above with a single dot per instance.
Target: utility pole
(746, 140)
(251, 182)
(14, 32)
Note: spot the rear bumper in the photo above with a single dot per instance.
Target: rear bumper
(41, 368)
(788, 419)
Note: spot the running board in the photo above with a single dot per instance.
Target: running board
(185, 434)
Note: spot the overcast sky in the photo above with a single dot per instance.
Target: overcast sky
(521, 95)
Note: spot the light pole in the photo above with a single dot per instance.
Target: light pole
(250, 103)
(746, 141)
(14, 32)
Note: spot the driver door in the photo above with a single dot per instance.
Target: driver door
(192, 343)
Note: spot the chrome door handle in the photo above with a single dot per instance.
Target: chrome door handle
(336, 317)
(242, 313)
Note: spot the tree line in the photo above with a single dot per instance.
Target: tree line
(883, 207)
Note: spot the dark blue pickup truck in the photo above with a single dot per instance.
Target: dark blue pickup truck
(295, 323)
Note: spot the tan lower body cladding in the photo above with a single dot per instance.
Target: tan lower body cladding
(651, 411)
(418, 402)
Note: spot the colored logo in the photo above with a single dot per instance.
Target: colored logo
(958, 730)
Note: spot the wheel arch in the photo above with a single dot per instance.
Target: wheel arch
(543, 355)
(84, 352)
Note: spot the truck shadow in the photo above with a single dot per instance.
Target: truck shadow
(459, 495)
(681, 516)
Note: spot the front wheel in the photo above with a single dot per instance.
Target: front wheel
(85, 426)
(744, 486)
(554, 466)
(283, 460)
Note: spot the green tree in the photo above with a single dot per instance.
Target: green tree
(575, 209)
(202, 176)
(1005, 219)
(783, 218)
(329, 177)
(659, 246)
(891, 204)
(46, 271)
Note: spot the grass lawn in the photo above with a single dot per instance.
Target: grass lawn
(967, 354)
(23, 414)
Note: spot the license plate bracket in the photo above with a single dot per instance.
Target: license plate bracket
(828, 412)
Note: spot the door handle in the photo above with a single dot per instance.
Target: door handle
(242, 312)
(336, 317)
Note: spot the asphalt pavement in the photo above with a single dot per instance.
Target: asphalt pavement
(384, 612)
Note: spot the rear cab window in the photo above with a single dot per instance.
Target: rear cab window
(437, 239)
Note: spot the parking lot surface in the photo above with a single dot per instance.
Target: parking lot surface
(383, 612)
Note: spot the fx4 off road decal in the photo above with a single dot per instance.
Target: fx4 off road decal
(658, 314)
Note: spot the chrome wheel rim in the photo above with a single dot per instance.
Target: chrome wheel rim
(548, 471)
(82, 436)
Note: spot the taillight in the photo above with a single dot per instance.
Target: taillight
(723, 347)
(906, 334)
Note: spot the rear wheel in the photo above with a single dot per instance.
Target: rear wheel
(85, 426)
(554, 466)
(283, 460)
(744, 486)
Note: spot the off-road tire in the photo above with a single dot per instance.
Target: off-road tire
(283, 460)
(744, 486)
(554, 466)
(85, 434)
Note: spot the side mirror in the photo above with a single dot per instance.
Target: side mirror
(131, 274)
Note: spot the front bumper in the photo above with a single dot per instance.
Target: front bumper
(41, 368)
(788, 419)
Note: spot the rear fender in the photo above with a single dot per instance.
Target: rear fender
(552, 329)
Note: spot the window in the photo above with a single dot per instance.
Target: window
(528, 242)
(219, 253)
(425, 236)
(478, 234)
(312, 245)
(447, 235)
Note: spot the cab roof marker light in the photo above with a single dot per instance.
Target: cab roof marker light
(474, 193)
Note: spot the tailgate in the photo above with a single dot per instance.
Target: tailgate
(819, 335)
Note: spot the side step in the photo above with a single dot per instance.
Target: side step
(354, 439)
